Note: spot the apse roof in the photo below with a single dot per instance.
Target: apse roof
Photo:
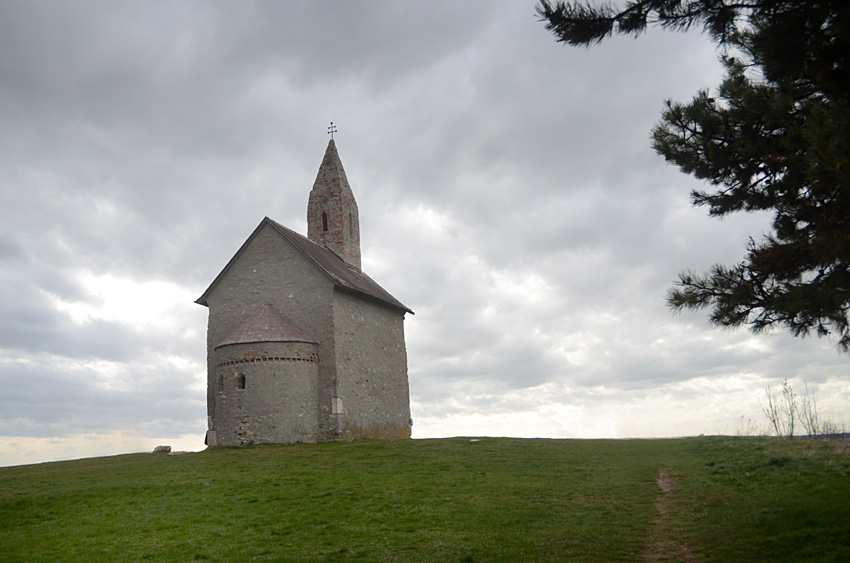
(267, 325)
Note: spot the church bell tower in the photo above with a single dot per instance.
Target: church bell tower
(332, 217)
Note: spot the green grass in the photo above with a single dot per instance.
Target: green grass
(735, 499)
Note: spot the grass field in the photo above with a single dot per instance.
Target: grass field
(496, 499)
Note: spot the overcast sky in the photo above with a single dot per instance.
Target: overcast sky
(507, 193)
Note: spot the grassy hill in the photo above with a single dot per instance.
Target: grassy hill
(495, 499)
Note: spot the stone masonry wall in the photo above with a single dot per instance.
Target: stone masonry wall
(266, 393)
(372, 385)
(270, 270)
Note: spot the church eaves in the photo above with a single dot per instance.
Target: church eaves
(267, 325)
(344, 276)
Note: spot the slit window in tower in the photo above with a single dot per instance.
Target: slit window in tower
(240, 381)
(324, 222)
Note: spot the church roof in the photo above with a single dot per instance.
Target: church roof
(267, 325)
(345, 276)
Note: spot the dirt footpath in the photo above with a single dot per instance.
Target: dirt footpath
(661, 546)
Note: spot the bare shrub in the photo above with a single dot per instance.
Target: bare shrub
(786, 412)
(789, 407)
(746, 426)
(834, 428)
(772, 412)
(781, 412)
(809, 417)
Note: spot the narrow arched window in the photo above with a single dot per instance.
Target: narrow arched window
(240, 381)
(324, 221)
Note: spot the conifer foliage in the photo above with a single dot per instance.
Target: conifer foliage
(774, 137)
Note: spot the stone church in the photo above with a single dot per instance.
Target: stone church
(302, 346)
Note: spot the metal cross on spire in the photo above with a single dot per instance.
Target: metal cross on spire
(332, 130)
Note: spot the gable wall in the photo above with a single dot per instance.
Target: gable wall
(371, 359)
(270, 270)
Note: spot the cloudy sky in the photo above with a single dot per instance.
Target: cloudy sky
(507, 194)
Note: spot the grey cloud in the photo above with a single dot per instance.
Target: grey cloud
(147, 141)
(55, 396)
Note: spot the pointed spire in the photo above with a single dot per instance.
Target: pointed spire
(332, 217)
(331, 172)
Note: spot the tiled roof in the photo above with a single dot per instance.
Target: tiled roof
(344, 275)
(267, 325)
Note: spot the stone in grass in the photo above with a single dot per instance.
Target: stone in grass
(165, 449)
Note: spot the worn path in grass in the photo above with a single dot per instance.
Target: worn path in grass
(662, 546)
